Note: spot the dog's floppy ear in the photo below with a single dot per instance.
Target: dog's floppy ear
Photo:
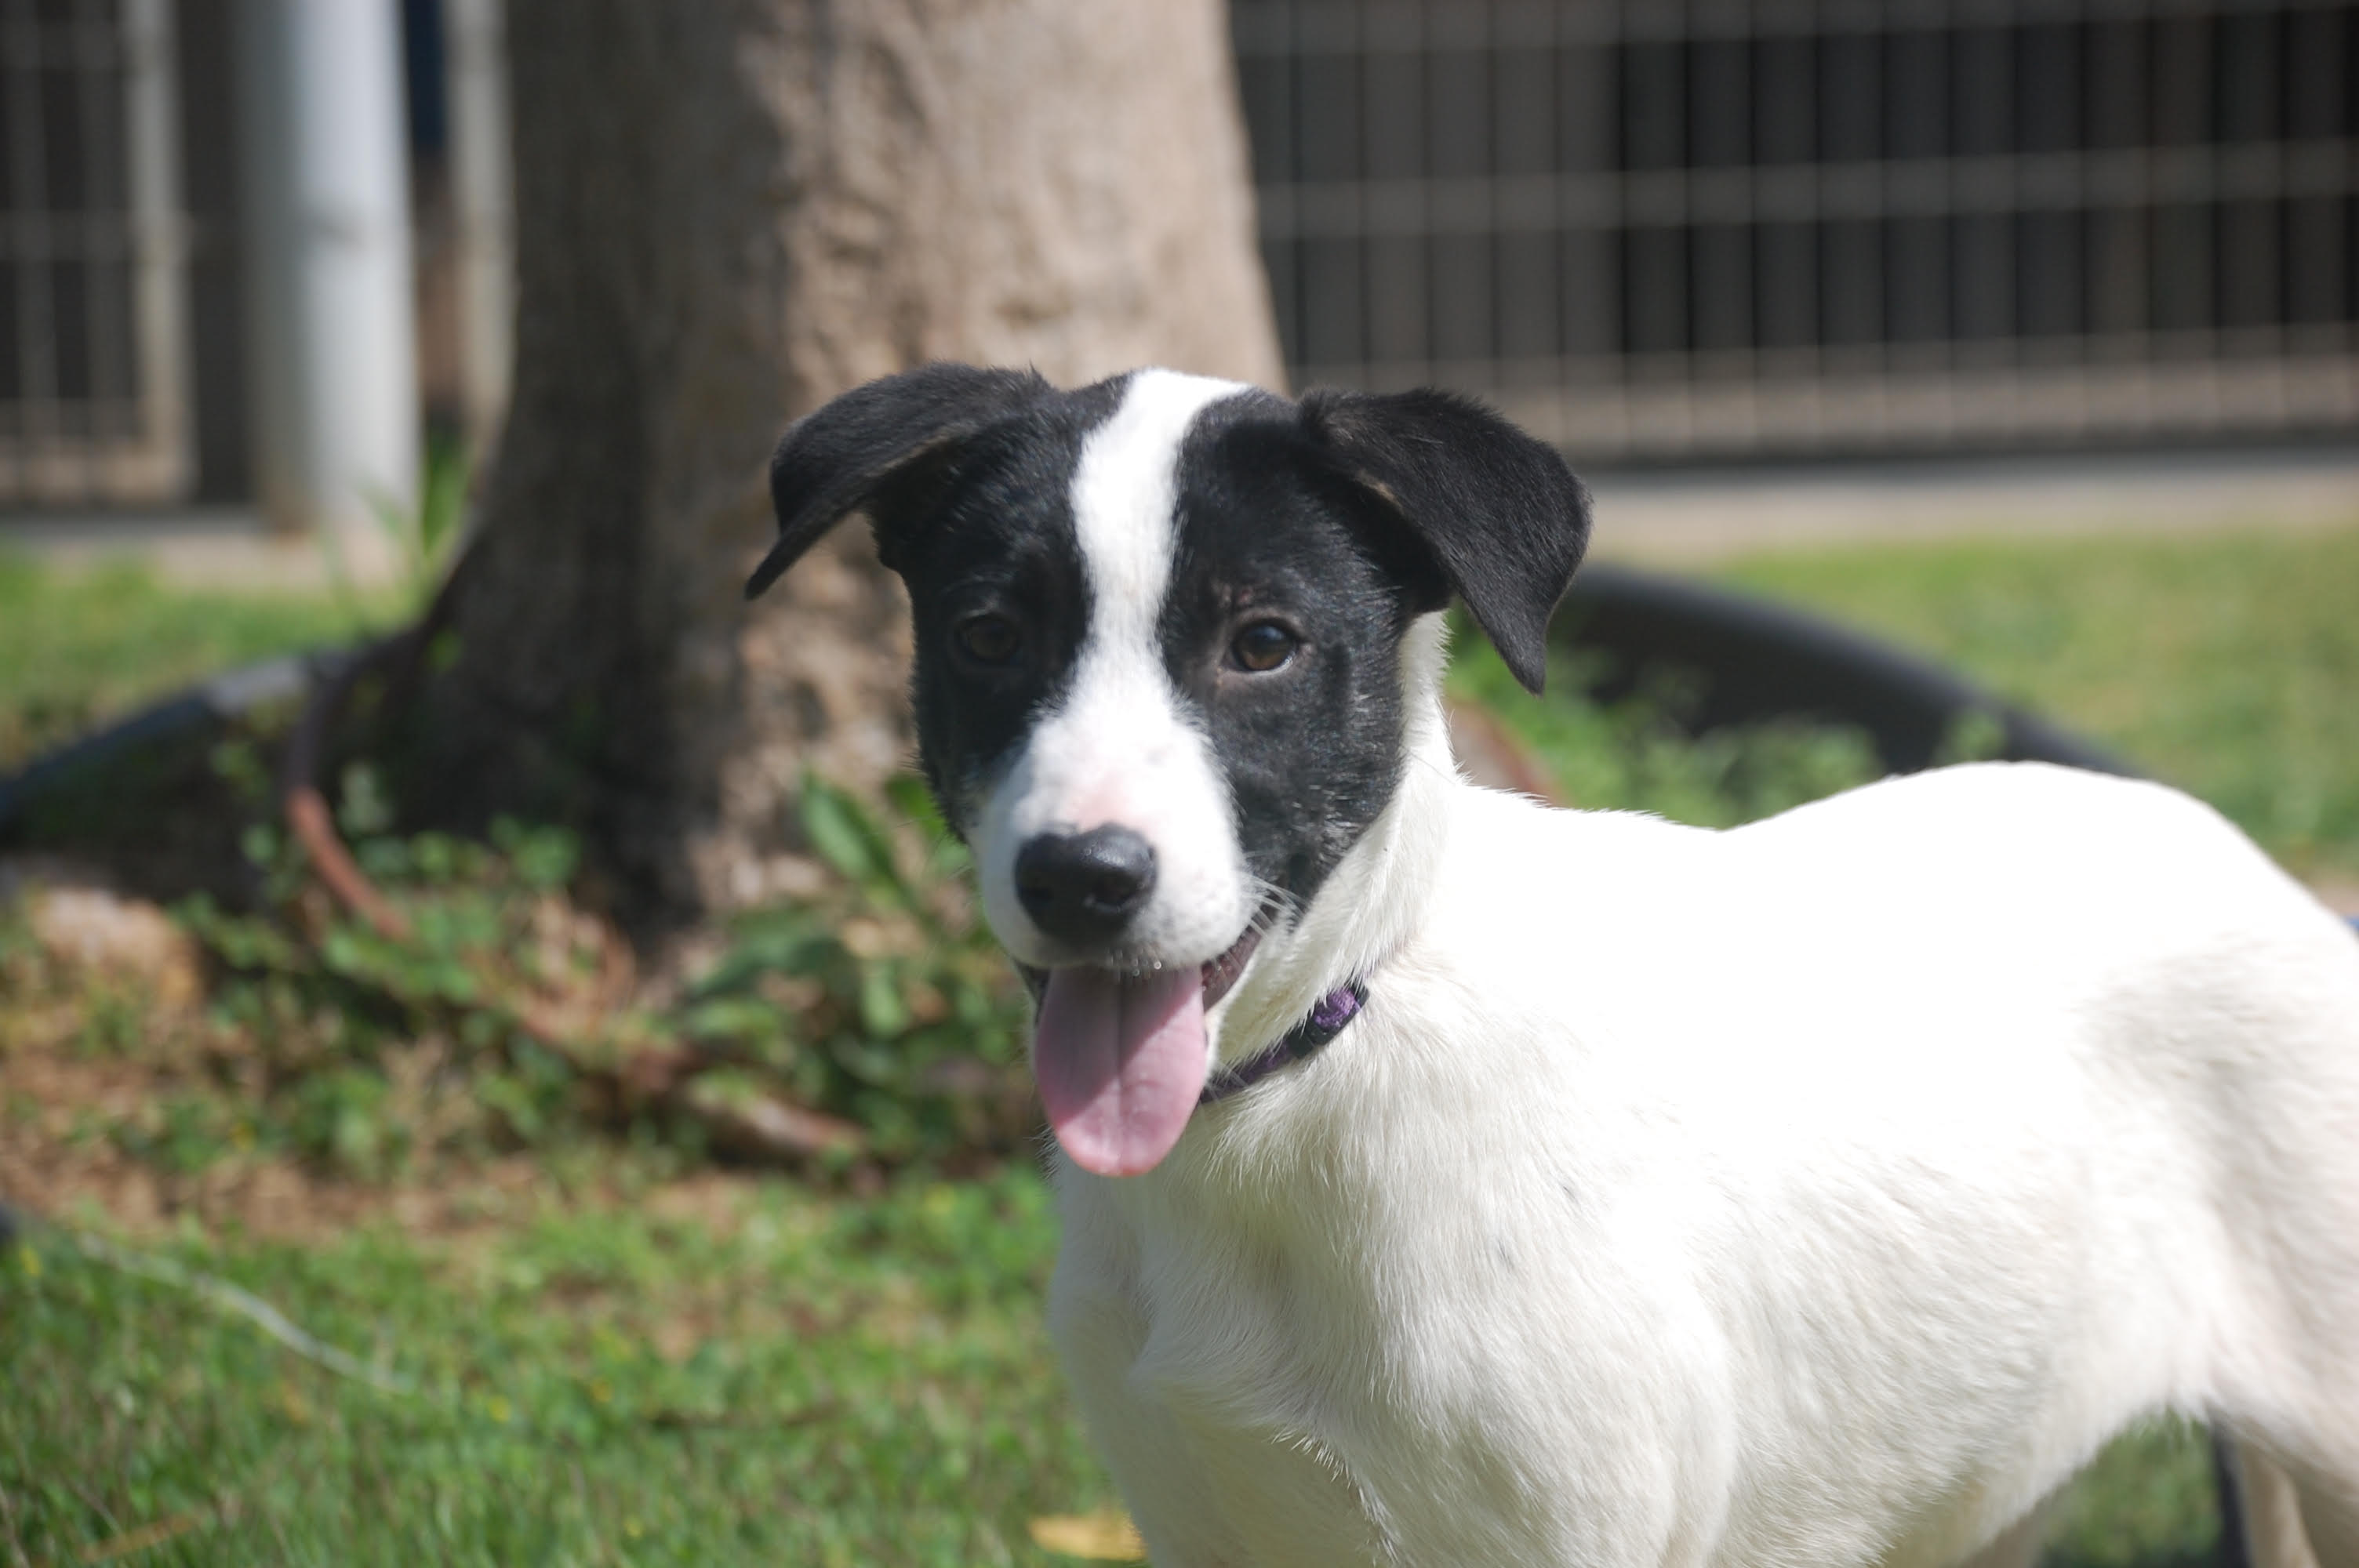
(833, 460)
(1503, 519)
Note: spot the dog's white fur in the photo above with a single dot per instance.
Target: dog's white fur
(1821, 1191)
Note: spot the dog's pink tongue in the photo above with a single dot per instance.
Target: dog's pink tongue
(1120, 1063)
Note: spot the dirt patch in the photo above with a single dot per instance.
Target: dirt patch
(282, 1200)
(107, 1053)
(2340, 895)
(64, 1117)
(55, 1166)
(1492, 755)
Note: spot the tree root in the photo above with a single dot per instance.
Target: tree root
(750, 1126)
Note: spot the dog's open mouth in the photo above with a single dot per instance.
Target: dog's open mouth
(1121, 1058)
(1222, 973)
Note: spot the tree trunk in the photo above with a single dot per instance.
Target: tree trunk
(726, 214)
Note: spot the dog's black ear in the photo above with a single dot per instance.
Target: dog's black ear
(833, 460)
(1503, 518)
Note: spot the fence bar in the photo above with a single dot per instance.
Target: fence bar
(1671, 226)
(92, 321)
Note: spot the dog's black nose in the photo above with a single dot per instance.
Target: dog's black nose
(1083, 888)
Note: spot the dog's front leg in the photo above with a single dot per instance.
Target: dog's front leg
(1100, 1331)
(1165, 1488)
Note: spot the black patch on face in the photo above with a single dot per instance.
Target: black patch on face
(990, 534)
(1309, 536)
(1271, 532)
(1271, 535)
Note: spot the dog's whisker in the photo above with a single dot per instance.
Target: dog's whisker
(1274, 906)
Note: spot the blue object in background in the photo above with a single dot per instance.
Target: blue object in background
(425, 90)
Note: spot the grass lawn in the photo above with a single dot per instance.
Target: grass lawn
(79, 647)
(2227, 664)
(612, 1367)
(726, 1372)
(715, 1371)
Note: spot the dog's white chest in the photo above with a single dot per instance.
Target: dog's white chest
(1281, 1420)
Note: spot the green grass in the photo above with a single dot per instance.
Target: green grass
(808, 1381)
(2146, 1502)
(828, 1379)
(2228, 664)
(81, 646)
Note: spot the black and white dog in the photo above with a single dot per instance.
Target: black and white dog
(1449, 1180)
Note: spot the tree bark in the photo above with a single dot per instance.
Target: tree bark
(726, 214)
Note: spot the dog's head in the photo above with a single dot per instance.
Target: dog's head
(1159, 682)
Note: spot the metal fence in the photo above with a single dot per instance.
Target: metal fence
(91, 315)
(1666, 228)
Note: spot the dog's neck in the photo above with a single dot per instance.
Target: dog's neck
(1373, 899)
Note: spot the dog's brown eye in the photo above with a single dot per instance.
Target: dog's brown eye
(989, 639)
(1263, 646)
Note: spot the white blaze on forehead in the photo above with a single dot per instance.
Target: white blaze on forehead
(1126, 499)
(1120, 748)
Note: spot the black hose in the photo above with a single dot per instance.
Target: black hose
(190, 712)
(1759, 661)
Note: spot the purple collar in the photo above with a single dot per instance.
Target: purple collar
(1327, 1019)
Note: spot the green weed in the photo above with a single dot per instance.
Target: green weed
(1636, 755)
(882, 1002)
(425, 534)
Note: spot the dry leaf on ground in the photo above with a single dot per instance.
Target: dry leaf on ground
(1107, 1536)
